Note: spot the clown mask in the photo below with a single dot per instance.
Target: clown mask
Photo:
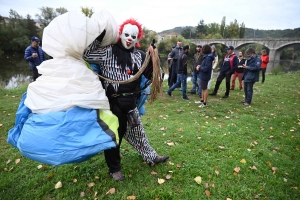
(129, 36)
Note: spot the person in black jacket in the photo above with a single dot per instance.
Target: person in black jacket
(181, 73)
(228, 67)
(239, 72)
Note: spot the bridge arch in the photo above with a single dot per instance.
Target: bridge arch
(275, 45)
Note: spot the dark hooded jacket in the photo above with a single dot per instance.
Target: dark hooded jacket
(206, 67)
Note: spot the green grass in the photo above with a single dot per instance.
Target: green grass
(209, 143)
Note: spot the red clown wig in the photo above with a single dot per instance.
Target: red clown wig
(135, 23)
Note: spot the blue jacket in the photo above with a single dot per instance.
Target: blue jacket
(206, 67)
(251, 74)
(33, 62)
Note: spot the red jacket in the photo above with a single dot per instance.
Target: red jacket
(265, 61)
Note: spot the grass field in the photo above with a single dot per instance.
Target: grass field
(224, 151)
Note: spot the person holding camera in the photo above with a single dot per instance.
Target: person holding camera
(251, 74)
(35, 55)
(239, 72)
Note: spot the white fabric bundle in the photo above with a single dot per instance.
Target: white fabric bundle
(66, 81)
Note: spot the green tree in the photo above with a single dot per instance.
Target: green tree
(201, 29)
(232, 31)
(149, 35)
(61, 10)
(242, 30)
(223, 26)
(188, 33)
(87, 11)
(47, 15)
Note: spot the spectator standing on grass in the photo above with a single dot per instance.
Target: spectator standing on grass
(239, 72)
(251, 74)
(228, 67)
(175, 55)
(205, 70)
(181, 73)
(197, 60)
(35, 55)
(265, 60)
(214, 65)
(170, 63)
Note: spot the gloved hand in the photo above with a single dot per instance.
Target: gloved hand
(101, 36)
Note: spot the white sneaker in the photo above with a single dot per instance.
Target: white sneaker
(198, 102)
(202, 106)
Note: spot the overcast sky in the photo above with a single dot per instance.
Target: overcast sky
(159, 15)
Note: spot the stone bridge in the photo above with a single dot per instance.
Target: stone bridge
(275, 45)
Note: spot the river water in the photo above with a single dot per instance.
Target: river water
(15, 71)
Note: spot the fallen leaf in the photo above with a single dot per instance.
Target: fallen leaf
(96, 177)
(178, 165)
(111, 191)
(49, 175)
(237, 169)
(1, 125)
(180, 129)
(40, 166)
(217, 172)
(82, 194)
(170, 143)
(11, 169)
(221, 147)
(207, 193)
(228, 199)
(160, 180)
(269, 164)
(256, 196)
(7, 162)
(168, 177)
(198, 179)
(95, 194)
(131, 197)
(162, 129)
(227, 117)
(153, 172)
(206, 185)
(74, 180)
(243, 161)
(253, 167)
(17, 160)
(284, 179)
(91, 184)
(274, 169)
(58, 185)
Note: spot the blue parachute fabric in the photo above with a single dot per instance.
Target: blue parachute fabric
(63, 137)
(59, 137)
(144, 96)
(21, 116)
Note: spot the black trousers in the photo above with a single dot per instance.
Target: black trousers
(222, 75)
(35, 73)
(263, 73)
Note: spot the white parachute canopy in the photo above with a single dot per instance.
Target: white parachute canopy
(66, 81)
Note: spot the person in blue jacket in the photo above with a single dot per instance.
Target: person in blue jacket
(205, 70)
(251, 74)
(35, 55)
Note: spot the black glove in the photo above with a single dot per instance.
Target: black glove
(101, 36)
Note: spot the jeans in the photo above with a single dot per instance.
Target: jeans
(199, 84)
(181, 79)
(173, 73)
(194, 81)
(248, 89)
